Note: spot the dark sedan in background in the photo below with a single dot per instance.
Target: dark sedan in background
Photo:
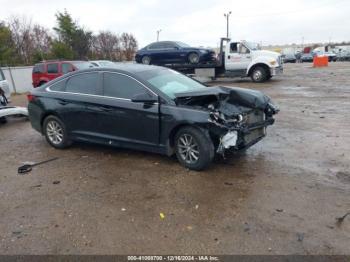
(150, 108)
(306, 58)
(167, 52)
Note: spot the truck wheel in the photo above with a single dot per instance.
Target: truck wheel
(146, 60)
(259, 74)
(193, 149)
(193, 58)
(56, 132)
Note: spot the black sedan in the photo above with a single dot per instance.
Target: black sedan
(167, 52)
(150, 108)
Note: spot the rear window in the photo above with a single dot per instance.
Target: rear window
(83, 83)
(52, 68)
(37, 69)
(59, 86)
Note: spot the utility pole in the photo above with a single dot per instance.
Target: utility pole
(158, 31)
(228, 22)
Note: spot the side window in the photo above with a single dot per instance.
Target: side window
(243, 50)
(66, 68)
(38, 69)
(52, 68)
(168, 46)
(121, 86)
(83, 83)
(234, 48)
(59, 86)
(156, 46)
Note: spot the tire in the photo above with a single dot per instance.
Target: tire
(259, 74)
(193, 58)
(200, 145)
(55, 132)
(146, 60)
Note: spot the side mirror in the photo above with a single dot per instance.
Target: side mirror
(144, 98)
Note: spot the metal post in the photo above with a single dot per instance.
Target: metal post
(227, 22)
(158, 31)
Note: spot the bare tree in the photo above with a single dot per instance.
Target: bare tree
(106, 45)
(21, 28)
(41, 40)
(129, 46)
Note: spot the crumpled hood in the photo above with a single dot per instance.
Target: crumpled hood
(233, 95)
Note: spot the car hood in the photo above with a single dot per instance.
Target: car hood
(267, 53)
(229, 100)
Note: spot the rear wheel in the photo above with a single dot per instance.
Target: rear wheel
(146, 60)
(259, 74)
(56, 132)
(193, 149)
(193, 58)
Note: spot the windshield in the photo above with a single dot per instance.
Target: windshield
(252, 46)
(171, 82)
(182, 44)
(82, 65)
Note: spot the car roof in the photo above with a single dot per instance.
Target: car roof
(62, 61)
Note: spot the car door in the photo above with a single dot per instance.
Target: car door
(123, 120)
(52, 71)
(173, 53)
(76, 103)
(160, 53)
(4, 85)
(236, 60)
(66, 68)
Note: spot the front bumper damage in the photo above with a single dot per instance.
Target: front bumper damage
(237, 118)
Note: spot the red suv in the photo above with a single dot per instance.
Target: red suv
(48, 70)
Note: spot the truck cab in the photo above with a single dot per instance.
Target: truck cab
(246, 59)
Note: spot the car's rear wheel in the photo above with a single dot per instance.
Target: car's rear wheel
(259, 74)
(193, 58)
(56, 132)
(146, 60)
(193, 149)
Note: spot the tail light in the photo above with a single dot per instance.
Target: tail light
(31, 98)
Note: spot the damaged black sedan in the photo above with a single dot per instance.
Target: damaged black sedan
(150, 108)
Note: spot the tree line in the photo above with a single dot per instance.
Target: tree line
(25, 43)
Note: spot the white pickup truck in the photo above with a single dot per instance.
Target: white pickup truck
(238, 59)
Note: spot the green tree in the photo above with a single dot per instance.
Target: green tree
(61, 50)
(72, 35)
(6, 45)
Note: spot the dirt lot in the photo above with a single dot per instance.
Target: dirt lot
(281, 197)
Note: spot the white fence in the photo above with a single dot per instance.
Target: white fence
(19, 78)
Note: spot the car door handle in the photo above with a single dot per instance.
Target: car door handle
(63, 102)
(248, 56)
(107, 108)
(229, 57)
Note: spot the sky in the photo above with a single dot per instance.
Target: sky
(198, 22)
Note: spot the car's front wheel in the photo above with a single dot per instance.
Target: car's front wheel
(194, 149)
(259, 74)
(55, 132)
(146, 60)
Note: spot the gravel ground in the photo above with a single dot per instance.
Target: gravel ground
(280, 197)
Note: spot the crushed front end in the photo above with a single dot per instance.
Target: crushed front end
(237, 118)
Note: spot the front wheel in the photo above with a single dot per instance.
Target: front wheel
(259, 74)
(193, 149)
(55, 132)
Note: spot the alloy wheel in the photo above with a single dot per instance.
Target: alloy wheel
(54, 132)
(188, 149)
